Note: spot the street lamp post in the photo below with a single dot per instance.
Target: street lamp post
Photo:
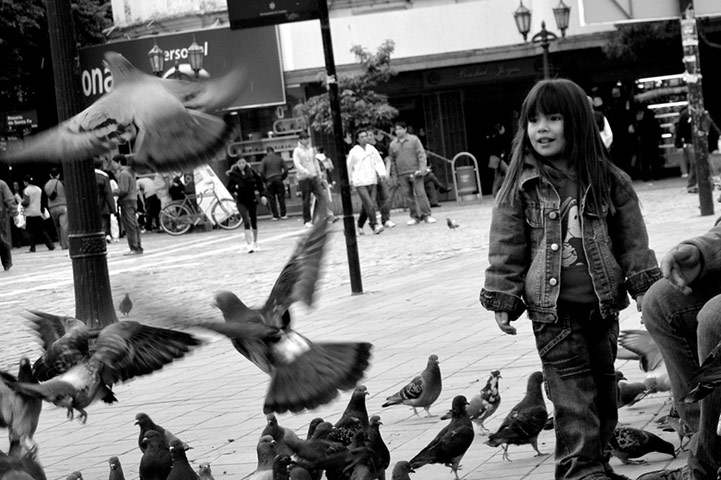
(157, 59)
(522, 16)
(195, 55)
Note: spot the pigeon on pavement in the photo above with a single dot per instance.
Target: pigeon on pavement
(675, 423)
(452, 441)
(281, 467)
(75, 476)
(181, 469)
(126, 305)
(165, 118)
(452, 224)
(279, 434)
(121, 351)
(401, 470)
(353, 419)
(24, 468)
(706, 378)
(525, 421)
(312, 426)
(116, 469)
(19, 413)
(485, 404)
(304, 374)
(145, 423)
(380, 455)
(628, 393)
(266, 454)
(422, 391)
(628, 443)
(156, 462)
(204, 472)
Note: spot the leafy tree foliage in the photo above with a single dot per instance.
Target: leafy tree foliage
(360, 104)
(644, 41)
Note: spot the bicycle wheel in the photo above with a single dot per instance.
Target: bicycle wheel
(176, 218)
(226, 215)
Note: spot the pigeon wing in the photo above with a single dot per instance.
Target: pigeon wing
(641, 343)
(65, 340)
(210, 95)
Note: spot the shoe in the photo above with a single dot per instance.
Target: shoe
(430, 220)
(682, 473)
(308, 225)
(435, 205)
(7, 267)
(32, 250)
(275, 219)
(444, 189)
(133, 252)
(256, 246)
(389, 224)
(684, 175)
(250, 248)
(51, 247)
(693, 189)
(360, 230)
(378, 229)
(108, 239)
(412, 221)
(284, 217)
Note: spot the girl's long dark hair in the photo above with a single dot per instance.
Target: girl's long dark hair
(584, 148)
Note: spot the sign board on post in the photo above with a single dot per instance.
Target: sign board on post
(627, 11)
(258, 13)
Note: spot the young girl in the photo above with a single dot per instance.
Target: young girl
(567, 243)
(243, 183)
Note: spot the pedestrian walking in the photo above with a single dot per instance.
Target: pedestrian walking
(128, 204)
(8, 210)
(411, 163)
(35, 226)
(310, 179)
(58, 206)
(245, 185)
(365, 166)
(106, 200)
(568, 244)
(151, 202)
(274, 172)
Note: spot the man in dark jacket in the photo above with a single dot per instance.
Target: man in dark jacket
(128, 204)
(8, 209)
(273, 171)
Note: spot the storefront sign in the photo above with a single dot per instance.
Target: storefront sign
(473, 74)
(14, 121)
(256, 51)
(257, 13)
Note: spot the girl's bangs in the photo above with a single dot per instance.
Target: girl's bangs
(546, 100)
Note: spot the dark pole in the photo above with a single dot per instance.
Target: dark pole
(348, 224)
(546, 68)
(544, 37)
(689, 39)
(93, 298)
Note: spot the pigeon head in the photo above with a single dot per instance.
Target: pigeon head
(433, 360)
(272, 421)
(534, 381)
(25, 372)
(402, 468)
(114, 463)
(322, 430)
(496, 373)
(375, 420)
(620, 375)
(204, 468)
(230, 305)
(74, 476)
(177, 449)
(143, 420)
(458, 407)
(152, 437)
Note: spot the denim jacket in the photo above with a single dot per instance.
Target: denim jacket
(526, 246)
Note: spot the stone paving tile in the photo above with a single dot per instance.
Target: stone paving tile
(421, 287)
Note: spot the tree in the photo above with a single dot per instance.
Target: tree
(644, 40)
(361, 105)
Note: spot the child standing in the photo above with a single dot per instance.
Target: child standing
(567, 243)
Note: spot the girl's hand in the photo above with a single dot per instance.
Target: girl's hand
(504, 323)
(639, 302)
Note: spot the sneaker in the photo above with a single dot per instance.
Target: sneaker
(308, 225)
(256, 246)
(360, 230)
(108, 239)
(378, 229)
(7, 267)
(412, 221)
(275, 219)
(430, 220)
(684, 175)
(284, 217)
(693, 189)
(682, 473)
(250, 248)
(389, 224)
(133, 252)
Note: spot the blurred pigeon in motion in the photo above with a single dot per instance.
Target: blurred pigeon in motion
(279, 434)
(181, 469)
(65, 341)
(628, 393)
(120, 351)
(19, 413)
(304, 374)
(628, 443)
(525, 421)
(126, 305)
(156, 462)
(23, 468)
(401, 470)
(353, 419)
(452, 441)
(452, 224)
(422, 391)
(706, 378)
(642, 344)
(145, 423)
(674, 423)
(204, 471)
(166, 118)
(485, 404)
(75, 476)
(116, 469)
(266, 454)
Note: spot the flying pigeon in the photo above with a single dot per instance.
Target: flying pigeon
(126, 305)
(181, 469)
(642, 344)
(266, 454)
(146, 423)
(451, 443)
(204, 472)
(485, 404)
(65, 341)
(422, 391)
(304, 374)
(156, 462)
(167, 119)
(628, 393)
(19, 413)
(120, 351)
(452, 224)
(24, 468)
(706, 378)
(401, 470)
(525, 421)
(628, 443)
(116, 469)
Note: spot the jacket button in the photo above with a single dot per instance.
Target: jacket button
(552, 215)
(554, 247)
(553, 282)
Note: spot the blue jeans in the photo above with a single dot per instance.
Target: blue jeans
(59, 215)
(686, 328)
(130, 224)
(577, 353)
(367, 194)
(315, 186)
(415, 193)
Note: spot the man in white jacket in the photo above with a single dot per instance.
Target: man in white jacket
(365, 166)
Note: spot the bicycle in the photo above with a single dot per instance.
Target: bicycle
(178, 216)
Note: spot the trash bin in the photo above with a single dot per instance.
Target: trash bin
(466, 180)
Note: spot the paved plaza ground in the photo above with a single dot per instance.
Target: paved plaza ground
(421, 286)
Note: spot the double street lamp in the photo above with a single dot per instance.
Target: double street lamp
(522, 16)
(156, 55)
